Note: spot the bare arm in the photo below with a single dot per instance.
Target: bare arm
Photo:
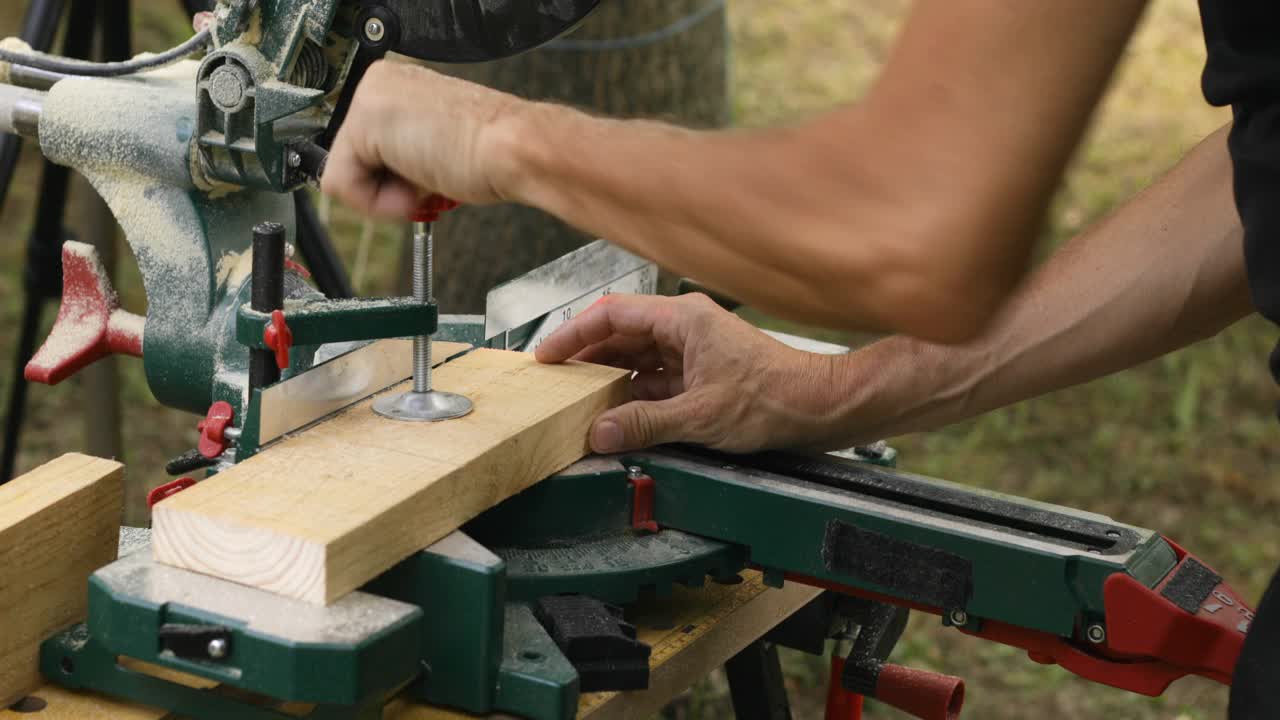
(1164, 271)
(914, 210)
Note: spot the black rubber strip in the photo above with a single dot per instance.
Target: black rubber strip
(910, 570)
(1190, 585)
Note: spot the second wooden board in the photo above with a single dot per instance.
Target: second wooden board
(324, 512)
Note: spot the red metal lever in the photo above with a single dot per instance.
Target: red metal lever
(1149, 640)
(90, 324)
(841, 704)
(1143, 622)
(213, 439)
(432, 208)
(279, 337)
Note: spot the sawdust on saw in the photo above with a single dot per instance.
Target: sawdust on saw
(79, 325)
(159, 232)
(12, 44)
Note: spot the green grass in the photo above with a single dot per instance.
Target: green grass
(1180, 444)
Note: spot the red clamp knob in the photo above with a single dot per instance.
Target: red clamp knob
(279, 337)
(643, 492)
(168, 490)
(432, 208)
(213, 429)
(90, 324)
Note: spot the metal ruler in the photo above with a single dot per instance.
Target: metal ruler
(522, 313)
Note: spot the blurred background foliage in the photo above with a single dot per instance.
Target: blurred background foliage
(1182, 444)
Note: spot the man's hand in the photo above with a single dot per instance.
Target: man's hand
(705, 376)
(412, 132)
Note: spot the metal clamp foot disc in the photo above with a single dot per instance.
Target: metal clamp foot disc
(431, 406)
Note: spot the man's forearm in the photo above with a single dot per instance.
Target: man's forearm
(1162, 272)
(914, 210)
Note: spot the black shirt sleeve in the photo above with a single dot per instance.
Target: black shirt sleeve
(1243, 71)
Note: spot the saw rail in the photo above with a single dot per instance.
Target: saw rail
(1115, 604)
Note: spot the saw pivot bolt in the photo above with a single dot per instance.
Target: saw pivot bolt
(1096, 634)
(374, 30)
(424, 404)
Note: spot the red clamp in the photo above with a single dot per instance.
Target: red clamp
(1149, 640)
(1143, 622)
(432, 208)
(642, 500)
(90, 324)
(168, 490)
(279, 337)
(213, 430)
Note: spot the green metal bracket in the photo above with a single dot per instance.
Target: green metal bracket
(75, 660)
(784, 525)
(316, 322)
(460, 654)
(345, 674)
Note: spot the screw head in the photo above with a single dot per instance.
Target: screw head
(958, 617)
(374, 30)
(217, 648)
(635, 471)
(1096, 634)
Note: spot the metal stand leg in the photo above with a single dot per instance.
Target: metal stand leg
(43, 265)
(755, 683)
(317, 249)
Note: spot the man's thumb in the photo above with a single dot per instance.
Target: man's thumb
(638, 425)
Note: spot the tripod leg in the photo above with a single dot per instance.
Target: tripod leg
(317, 249)
(38, 28)
(94, 224)
(44, 249)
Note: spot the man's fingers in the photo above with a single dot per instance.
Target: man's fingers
(395, 198)
(367, 190)
(643, 423)
(657, 385)
(632, 353)
(631, 315)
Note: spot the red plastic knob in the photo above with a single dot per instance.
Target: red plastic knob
(432, 208)
(279, 337)
(213, 438)
(90, 324)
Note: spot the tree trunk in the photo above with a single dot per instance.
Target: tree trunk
(632, 58)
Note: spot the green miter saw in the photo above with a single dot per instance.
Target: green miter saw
(518, 611)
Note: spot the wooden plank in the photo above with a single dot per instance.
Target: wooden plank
(691, 633)
(327, 510)
(58, 524)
